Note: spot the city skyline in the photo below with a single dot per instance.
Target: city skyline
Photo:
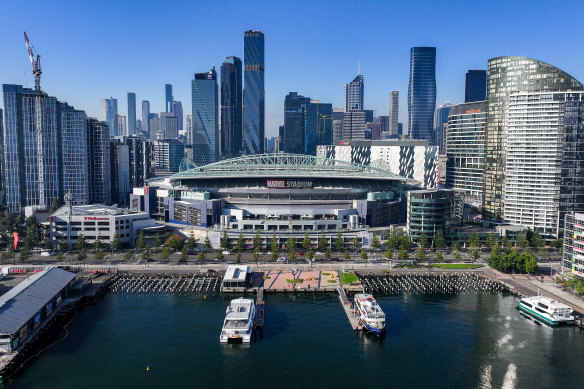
(319, 73)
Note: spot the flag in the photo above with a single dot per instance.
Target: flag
(16, 239)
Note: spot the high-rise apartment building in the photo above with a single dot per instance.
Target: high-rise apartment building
(142, 160)
(393, 112)
(168, 98)
(168, 128)
(99, 163)
(506, 75)
(146, 117)
(465, 149)
(475, 88)
(354, 94)
(189, 130)
(131, 113)
(168, 154)
(205, 125)
(544, 173)
(254, 92)
(231, 107)
(122, 129)
(294, 122)
(354, 125)
(440, 119)
(109, 114)
(422, 93)
(573, 252)
(177, 110)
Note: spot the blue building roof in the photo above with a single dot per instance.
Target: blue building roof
(22, 302)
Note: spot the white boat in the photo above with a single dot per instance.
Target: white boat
(546, 309)
(370, 313)
(238, 324)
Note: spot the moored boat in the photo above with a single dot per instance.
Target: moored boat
(546, 310)
(239, 320)
(370, 313)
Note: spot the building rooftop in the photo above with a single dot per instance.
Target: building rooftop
(236, 273)
(95, 209)
(383, 142)
(22, 302)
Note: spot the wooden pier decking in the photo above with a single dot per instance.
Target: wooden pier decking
(353, 319)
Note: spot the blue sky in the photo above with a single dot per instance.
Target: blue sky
(101, 48)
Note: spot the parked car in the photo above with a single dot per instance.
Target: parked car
(225, 252)
(281, 260)
(45, 254)
(211, 271)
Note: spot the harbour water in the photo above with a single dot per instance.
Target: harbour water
(457, 341)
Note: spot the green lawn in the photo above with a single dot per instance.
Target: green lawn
(266, 277)
(347, 278)
(331, 281)
(295, 280)
(456, 265)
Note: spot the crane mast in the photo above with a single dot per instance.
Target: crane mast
(36, 71)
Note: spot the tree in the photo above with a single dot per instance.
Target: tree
(310, 254)
(219, 255)
(257, 241)
(363, 255)
(404, 243)
(522, 241)
(193, 242)
(116, 244)
(355, 244)
(128, 255)
(64, 244)
(392, 240)
(475, 240)
(439, 239)
(537, 240)
(240, 242)
(291, 253)
(224, 244)
(207, 244)
(544, 253)
(81, 256)
(157, 242)
(256, 256)
(238, 257)
(475, 254)
(81, 244)
(306, 241)
(99, 255)
(175, 242)
(55, 205)
(439, 256)
(491, 241)
(423, 241)
(48, 245)
(456, 246)
(327, 253)
(274, 245)
(290, 243)
(403, 254)
(322, 242)
(457, 255)
(346, 255)
(421, 253)
(557, 243)
(165, 253)
(145, 254)
(184, 255)
(140, 242)
(339, 242)
(202, 255)
(375, 243)
(388, 253)
(98, 244)
(24, 255)
(505, 243)
(60, 257)
(529, 263)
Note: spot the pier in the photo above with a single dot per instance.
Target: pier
(258, 321)
(349, 311)
(175, 284)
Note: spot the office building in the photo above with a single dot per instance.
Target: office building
(353, 125)
(168, 154)
(475, 88)
(189, 130)
(337, 122)
(141, 159)
(465, 150)
(168, 128)
(422, 93)
(440, 119)
(373, 130)
(99, 169)
(109, 114)
(433, 210)
(2, 155)
(317, 126)
(146, 117)
(168, 98)
(131, 113)
(73, 154)
(254, 92)
(354, 93)
(544, 172)
(177, 110)
(294, 123)
(383, 123)
(393, 112)
(573, 253)
(205, 119)
(154, 124)
(122, 129)
(507, 74)
(231, 107)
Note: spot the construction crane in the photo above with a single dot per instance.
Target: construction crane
(36, 71)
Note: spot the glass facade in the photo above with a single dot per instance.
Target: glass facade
(231, 107)
(422, 93)
(545, 159)
(393, 112)
(205, 119)
(354, 92)
(146, 117)
(354, 125)
(573, 253)
(74, 154)
(465, 149)
(317, 126)
(432, 210)
(109, 114)
(506, 75)
(168, 98)
(294, 123)
(131, 113)
(254, 92)
(99, 170)
(440, 119)
(475, 88)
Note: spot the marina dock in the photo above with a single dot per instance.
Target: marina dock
(353, 319)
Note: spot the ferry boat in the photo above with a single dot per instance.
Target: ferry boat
(238, 324)
(370, 313)
(546, 309)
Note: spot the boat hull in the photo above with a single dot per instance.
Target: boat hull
(376, 331)
(541, 317)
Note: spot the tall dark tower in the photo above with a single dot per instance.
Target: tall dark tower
(231, 107)
(422, 93)
(254, 92)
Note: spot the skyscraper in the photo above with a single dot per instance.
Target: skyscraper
(74, 153)
(294, 123)
(422, 93)
(317, 126)
(231, 107)
(440, 119)
(168, 97)
(109, 114)
(146, 117)
(476, 86)
(177, 110)
(337, 116)
(354, 92)
(122, 129)
(393, 112)
(354, 125)
(131, 113)
(99, 169)
(253, 94)
(507, 74)
(168, 126)
(2, 164)
(205, 125)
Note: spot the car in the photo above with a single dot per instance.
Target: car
(45, 254)
(335, 259)
(301, 254)
(281, 260)
(318, 253)
(225, 252)
(211, 271)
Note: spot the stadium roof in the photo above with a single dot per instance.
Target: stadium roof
(289, 165)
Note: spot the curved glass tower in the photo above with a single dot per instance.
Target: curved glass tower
(253, 94)
(422, 93)
(504, 76)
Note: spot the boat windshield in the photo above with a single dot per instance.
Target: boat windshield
(235, 324)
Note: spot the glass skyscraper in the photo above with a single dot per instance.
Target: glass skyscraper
(506, 75)
(393, 112)
(253, 94)
(74, 154)
(168, 98)
(109, 114)
(422, 93)
(294, 123)
(440, 119)
(99, 171)
(231, 107)
(131, 113)
(354, 92)
(475, 88)
(146, 117)
(318, 126)
(205, 119)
